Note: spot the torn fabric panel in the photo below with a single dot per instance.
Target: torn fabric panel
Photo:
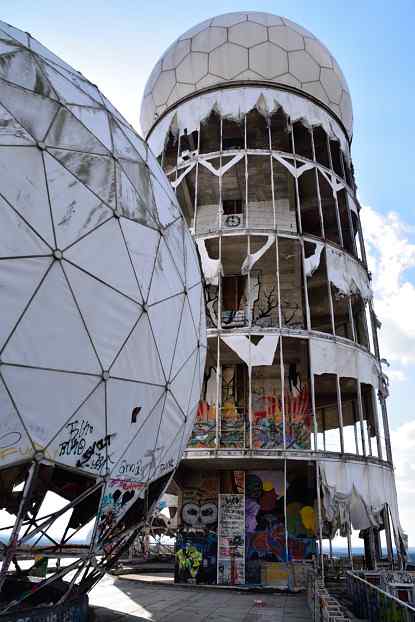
(212, 268)
(360, 490)
(253, 355)
(251, 259)
(312, 263)
(347, 274)
(234, 103)
(331, 357)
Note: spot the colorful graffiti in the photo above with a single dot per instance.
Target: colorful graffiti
(196, 560)
(265, 525)
(204, 429)
(268, 428)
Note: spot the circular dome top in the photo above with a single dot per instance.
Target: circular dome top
(249, 46)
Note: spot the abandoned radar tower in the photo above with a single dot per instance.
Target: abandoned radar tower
(251, 119)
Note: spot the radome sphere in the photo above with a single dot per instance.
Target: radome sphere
(246, 47)
(102, 331)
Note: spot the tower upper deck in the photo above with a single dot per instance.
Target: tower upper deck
(246, 48)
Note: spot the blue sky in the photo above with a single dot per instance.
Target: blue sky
(116, 44)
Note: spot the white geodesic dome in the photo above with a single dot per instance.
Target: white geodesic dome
(102, 326)
(246, 47)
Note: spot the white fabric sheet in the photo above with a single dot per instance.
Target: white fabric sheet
(234, 103)
(253, 355)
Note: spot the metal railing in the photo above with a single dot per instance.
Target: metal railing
(374, 604)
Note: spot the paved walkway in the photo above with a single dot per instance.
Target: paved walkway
(121, 600)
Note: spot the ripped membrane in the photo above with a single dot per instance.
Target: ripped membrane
(347, 274)
(251, 259)
(330, 357)
(312, 263)
(212, 268)
(253, 354)
(359, 491)
(235, 103)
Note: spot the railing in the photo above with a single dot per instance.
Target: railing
(374, 604)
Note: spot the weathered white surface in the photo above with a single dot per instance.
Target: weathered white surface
(347, 274)
(358, 489)
(312, 263)
(253, 355)
(246, 46)
(251, 259)
(331, 357)
(212, 268)
(95, 256)
(234, 103)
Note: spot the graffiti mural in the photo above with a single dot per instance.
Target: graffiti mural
(301, 518)
(196, 543)
(234, 425)
(204, 429)
(231, 539)
(267, 408)
(264, 521)
(196, 558)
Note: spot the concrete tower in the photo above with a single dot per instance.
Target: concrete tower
(251, 119)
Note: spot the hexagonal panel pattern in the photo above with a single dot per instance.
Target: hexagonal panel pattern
(246, 46)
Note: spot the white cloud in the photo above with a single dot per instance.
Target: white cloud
(403, 449)
(390, 255)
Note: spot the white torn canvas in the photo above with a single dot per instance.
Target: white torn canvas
(347, 274)
(253, 355)
(251, 259)
(312, 263)
(332, 357)
(212, 268)
(359, 490)
(235, 103)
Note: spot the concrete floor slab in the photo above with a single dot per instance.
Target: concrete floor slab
(118, 600)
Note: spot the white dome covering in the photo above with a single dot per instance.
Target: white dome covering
(249, 46)
(102, 332)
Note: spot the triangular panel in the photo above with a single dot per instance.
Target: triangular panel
(83, 441)
(171, 430)
(113, 266)
(21, 68)
(109, 316)
(96, 120)
(34, 112)
(122, 146)
(46, 399)
(137, 142)
(67, 132)
(17, 239)
(96, 172)
(191, 261)
(165, 321)
(165, 281)
(65, 89)
(11, 133)
(26, 189)
(182, 384)
(173, 236)
(129, 202)
(166, 207)
(139, 359)
(142, 243)
(60, 340)
(187, 340)
(129, 404)
(75, 210)
(19, 279)
(15, 444)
